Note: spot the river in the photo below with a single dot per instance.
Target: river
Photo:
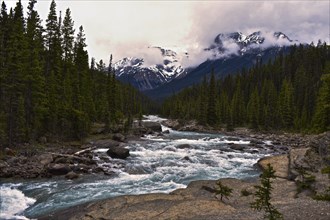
(156, 164)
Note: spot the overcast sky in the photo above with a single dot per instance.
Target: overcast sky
(126, 28)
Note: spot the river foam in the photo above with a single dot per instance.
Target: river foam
(157, 164)
(13, 202)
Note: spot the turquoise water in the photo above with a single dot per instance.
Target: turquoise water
(156, 164)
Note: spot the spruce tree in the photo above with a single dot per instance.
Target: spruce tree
(53, 73)
(237, 105)
(110, 114)
(68, 37)
(263, 195)
(3, 55)
(321, 121)
(14, 76)
(223, 190)
(254, 109)
(202, 117)
(211, 116)
(35, 98)
(84, 108)
(286, 105)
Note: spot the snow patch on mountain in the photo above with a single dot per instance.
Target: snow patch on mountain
(237, 43)
(155, 66)
(148, 71)
(169, 66)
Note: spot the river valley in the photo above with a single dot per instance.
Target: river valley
(157, 164)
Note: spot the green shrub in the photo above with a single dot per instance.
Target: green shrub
(326, 170)
(323, 197)
(222, 190)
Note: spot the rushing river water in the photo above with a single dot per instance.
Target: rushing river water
(156, 164)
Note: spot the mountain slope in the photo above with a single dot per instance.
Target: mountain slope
(145, 77)
(229, 54)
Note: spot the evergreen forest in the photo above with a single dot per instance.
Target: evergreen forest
(48, 88)
(290, 93)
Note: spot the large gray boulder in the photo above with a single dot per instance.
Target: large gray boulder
(58, 169)
(118, 152)
(280, 163)
(72, 175)
(237, 147)
(184, 146)
(298, 160)
(154, 126)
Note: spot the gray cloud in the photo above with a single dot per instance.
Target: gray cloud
(305, 21)
(127, 28)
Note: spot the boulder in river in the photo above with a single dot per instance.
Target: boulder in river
(118, 152)
(184, 146)
(232, 139)
(154, 126)
(187, 158)
(58, 169)
(72, 175)
(237, 147)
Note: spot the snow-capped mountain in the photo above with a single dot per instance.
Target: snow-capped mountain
(145, 77)
(236, 43)
(228, 53)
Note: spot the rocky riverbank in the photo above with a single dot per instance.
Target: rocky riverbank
(292, 195)
(298, 162)
(69, 159)
(195, 202)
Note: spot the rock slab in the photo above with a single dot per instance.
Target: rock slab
(118, 152)
(280, 163)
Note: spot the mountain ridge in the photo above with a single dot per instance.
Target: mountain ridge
(228, 53)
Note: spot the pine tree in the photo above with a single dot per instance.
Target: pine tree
(21, 128)
(237, 106)
(68, 37)
(14, 77)
(84, 108)
(68, 65)
(321, 121)
(35, 98)
(286, 105)
(268, 105)
(54, 78)
(254, 109)
(211, 116)
(3, 55)
(263, 195)
(202, 117)
(100, 94)
(223, 190)
(110, 114)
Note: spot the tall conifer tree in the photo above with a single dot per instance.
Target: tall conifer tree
(211, 111)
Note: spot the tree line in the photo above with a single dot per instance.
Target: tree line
(47, 85)
(291, 93)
